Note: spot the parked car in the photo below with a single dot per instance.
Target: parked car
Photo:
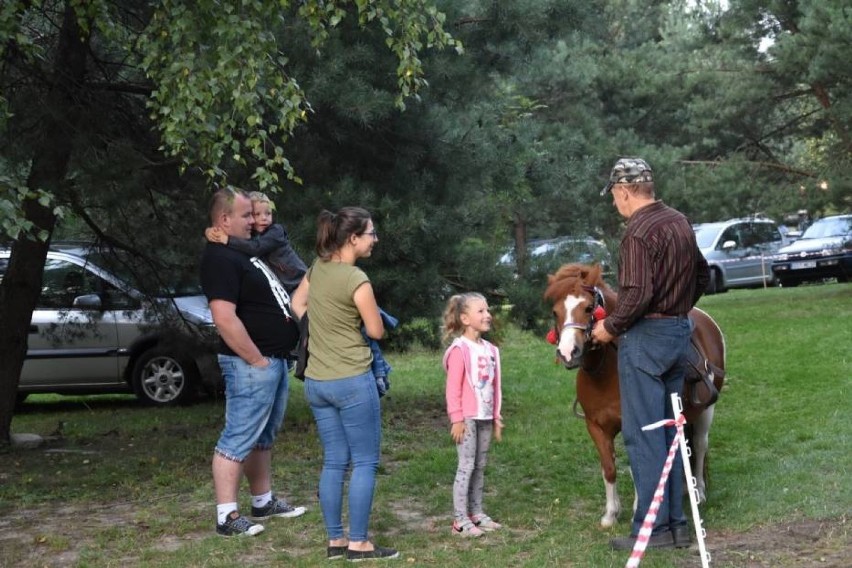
(557, 251)
(740, 251)
(823, 251)
(92, 332)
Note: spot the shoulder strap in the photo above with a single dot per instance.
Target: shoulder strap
(281, 295)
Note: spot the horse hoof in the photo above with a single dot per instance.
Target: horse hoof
(607, 522)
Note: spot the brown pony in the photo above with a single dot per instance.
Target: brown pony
(575, 291)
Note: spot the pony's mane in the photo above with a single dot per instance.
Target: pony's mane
(569, 278)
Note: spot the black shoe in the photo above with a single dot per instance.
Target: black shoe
(276, 508)
(682, 536)
(660, 540)
(336, 552)
(378, 553)
(237, 525)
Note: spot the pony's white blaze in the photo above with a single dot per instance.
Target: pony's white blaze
(567, 338)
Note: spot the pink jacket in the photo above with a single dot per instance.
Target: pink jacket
(461, 400)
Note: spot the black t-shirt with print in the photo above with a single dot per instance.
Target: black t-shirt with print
(229, 275)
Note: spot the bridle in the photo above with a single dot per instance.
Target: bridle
(598, 301)
(597, 311)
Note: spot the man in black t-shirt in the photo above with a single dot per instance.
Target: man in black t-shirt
(256, 334)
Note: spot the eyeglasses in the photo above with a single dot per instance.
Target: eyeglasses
(373, 234)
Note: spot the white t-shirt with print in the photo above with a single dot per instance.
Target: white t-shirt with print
(483, 368)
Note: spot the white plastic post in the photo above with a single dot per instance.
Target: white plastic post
(685, 451)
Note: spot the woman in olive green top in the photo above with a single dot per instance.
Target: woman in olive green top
(339, 382)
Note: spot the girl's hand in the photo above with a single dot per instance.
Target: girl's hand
(216, 235)
(498, 430)
(457, 432)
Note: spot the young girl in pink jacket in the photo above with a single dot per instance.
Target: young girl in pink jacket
(473, 406)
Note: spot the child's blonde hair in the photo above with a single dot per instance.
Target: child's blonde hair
(259, 197)
(456, 306)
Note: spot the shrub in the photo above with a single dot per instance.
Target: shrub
(418, 332)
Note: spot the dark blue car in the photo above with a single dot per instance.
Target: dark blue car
(823, 251)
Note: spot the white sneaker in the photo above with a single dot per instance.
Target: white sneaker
(466, 528)
(484, 522)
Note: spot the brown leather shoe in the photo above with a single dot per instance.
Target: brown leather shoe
(682, 536)
(659, 540)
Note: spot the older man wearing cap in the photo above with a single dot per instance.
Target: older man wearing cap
(661, 275)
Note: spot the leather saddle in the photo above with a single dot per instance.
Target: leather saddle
(699, 387)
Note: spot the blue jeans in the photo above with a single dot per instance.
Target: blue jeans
(651, 366)
(349, 423)
(255, 403)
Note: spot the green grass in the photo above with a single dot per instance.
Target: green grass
(132, 484)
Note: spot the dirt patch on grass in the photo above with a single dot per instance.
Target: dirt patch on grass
(825, 543)
(54, 538)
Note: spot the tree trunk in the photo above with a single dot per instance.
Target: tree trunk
(821, 93)
(519, 231)
(21, 285)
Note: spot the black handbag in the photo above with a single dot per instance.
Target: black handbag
(302, 349)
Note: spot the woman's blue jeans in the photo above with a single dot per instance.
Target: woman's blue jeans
(651, 366)
(349, 423)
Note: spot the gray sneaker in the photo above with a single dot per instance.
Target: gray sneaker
(238, 525)
(277, 508)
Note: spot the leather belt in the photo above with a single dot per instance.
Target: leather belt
(656, 315)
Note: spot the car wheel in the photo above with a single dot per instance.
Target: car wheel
(715, 284)
(162, 378)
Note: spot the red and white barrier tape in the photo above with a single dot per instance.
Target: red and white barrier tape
(651, 516)
(648, 523)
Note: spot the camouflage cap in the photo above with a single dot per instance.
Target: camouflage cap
(629, 170)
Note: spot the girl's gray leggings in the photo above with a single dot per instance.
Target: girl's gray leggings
(470, 475)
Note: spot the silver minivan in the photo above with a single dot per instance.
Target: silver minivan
(740, 251)
(92, 332)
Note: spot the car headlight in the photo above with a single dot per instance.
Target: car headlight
(783, 257)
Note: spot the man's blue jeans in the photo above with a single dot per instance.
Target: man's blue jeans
(348, 417)
(651, 366)
(255, 404)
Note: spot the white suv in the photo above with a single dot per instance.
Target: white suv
(740, 251)
(92, 333)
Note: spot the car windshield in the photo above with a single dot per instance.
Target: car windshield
(706, 234)
(829, 227)
(173, 281)
(573, 249)
(562, 249)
